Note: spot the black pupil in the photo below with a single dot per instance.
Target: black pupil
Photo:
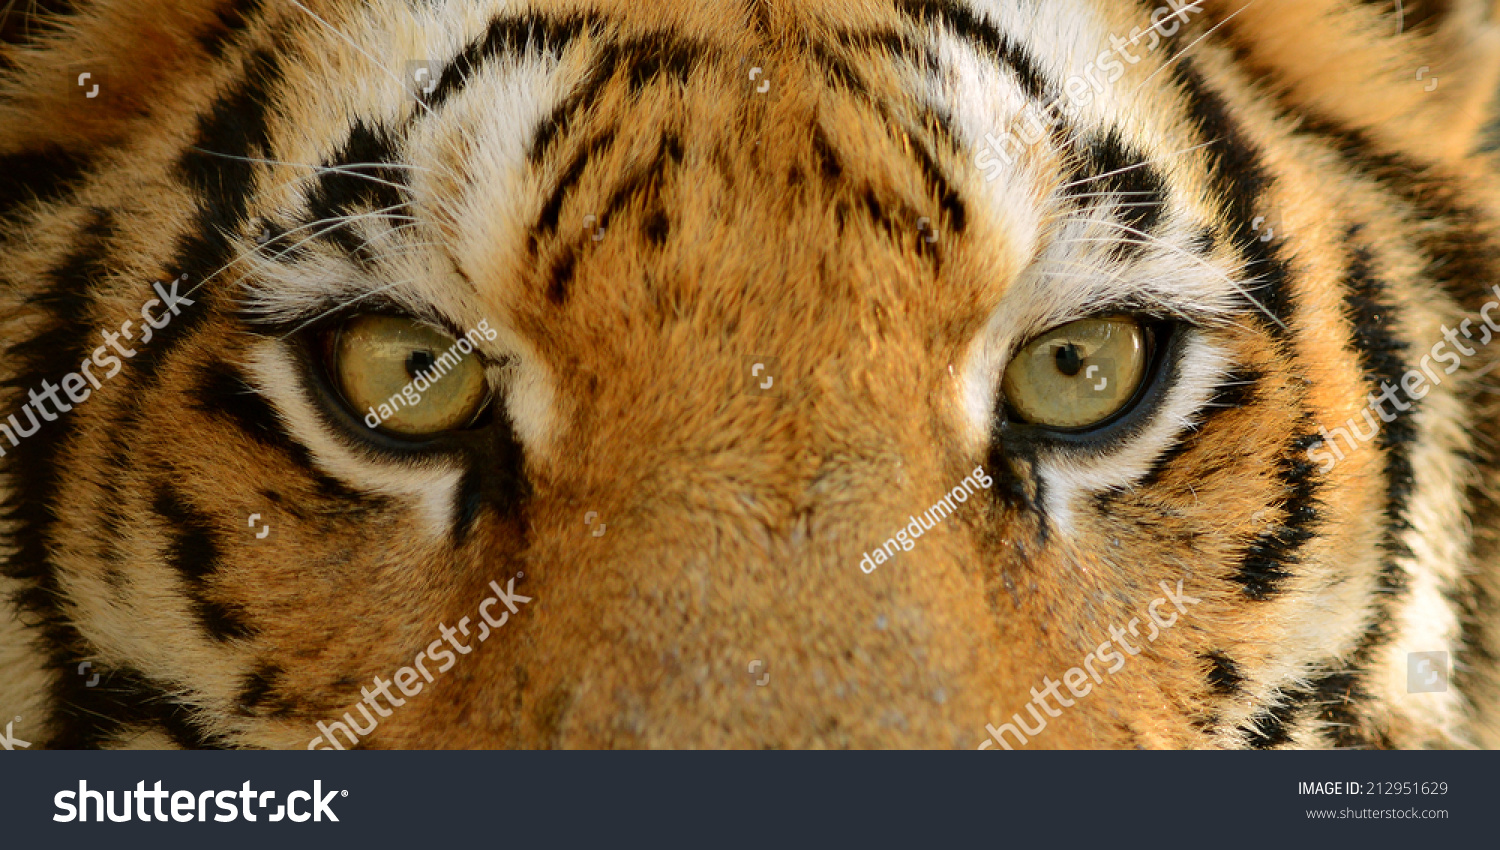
(1069, 362)
(419, 361)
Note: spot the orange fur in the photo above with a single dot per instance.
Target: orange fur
(739, 225)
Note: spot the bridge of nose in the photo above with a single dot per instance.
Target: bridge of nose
(731, 530)
(753, 369)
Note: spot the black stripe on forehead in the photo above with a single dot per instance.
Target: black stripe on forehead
(641, 58)
(642, 182)
(1138, 190)
(509, 36)
(840, 70)
(1045, 96)
(892, 43)
(1238, 176)
(934, 124)
(365, 180)
(234, 128)
(547, 219)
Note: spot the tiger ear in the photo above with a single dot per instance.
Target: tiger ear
(1415, 75)
(53, 55)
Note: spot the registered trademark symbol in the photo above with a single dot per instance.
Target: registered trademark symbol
(346, 792)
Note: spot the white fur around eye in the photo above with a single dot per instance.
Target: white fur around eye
(429, 484)
(1071, 476)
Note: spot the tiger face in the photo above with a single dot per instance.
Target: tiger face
(897, 373)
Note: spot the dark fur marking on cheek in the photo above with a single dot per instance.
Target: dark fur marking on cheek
(194, 553)
(1372, 315)
(1462, 254)
(1338, 696)
(124, 703)
(42, 175)
(1380, 353)
(1223, 674)
(1239, 389)
(1014, 488)
(236, 124)
(222, 393)
(55, 350)
(468, 503)
(495, 478)
(1463, 257)
(258, 689)
(1381, 350)
(1269, 560)
(1272, 727)
(232, 126)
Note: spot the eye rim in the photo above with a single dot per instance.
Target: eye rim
(1165, 341)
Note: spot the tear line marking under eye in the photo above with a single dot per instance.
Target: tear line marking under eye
(1070, 475)
(429, 482)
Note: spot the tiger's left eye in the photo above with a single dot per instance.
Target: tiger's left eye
(1079, 375)
(407, 378)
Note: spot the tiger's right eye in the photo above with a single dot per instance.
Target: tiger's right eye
(405, 377)
(1079, 375)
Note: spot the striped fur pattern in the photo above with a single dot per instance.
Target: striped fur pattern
(640, 196)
